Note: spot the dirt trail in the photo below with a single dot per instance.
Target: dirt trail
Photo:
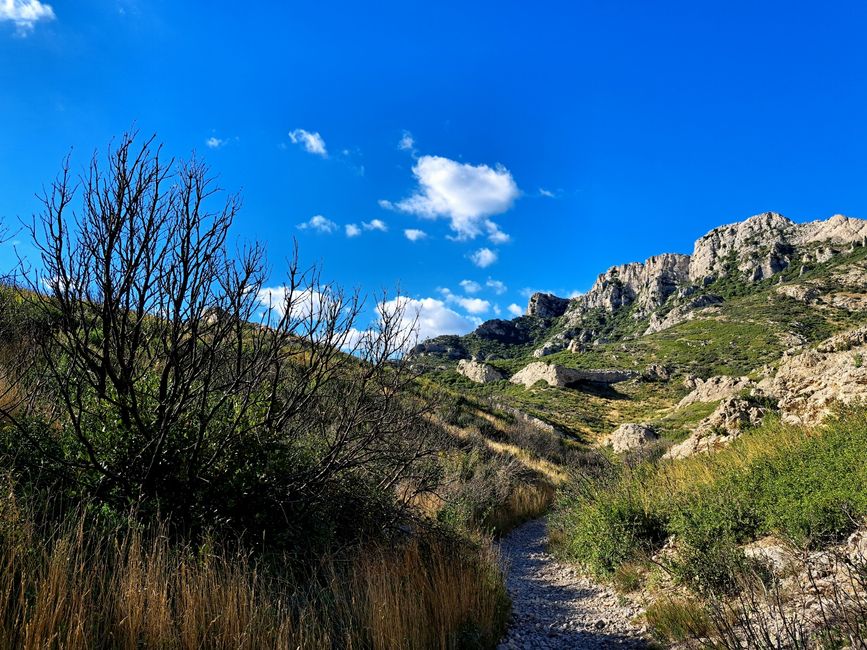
(553, 606)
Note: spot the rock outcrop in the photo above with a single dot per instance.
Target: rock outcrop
(630, 436)
(648, 285)
(698, 306)
(754, 249)
(809, 383)
(714, 388)
(766, 244)
(731, 418)
(561, 377)
(757, 247)
(511, 332)
(481, 373)
(546, 305)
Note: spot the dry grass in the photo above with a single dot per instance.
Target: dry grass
(526, 501)
(73, 588)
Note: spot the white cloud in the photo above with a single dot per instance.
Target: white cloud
(465, 194)
(498, 287)
(515, 310)
(302, 303)
(495, 235)
(413, 234)
(214, 142)
(375, 224)
(312, 142)
(352, 230)
(471, 305)
(429, 317)
(484, 257)
(319, 224)
(469, 286)
(546, 193)
(25, 14)
(407, 142)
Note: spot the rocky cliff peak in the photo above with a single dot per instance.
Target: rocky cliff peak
(647, 284)
(546, 305)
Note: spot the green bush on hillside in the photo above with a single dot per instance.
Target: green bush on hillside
(807, 485)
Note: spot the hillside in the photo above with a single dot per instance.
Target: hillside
(750, 298)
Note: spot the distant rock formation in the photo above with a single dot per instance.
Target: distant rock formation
(481, 373)
(561, 377)
(648, 285)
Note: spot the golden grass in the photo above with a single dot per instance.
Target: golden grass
(73, 589)
(526, 501)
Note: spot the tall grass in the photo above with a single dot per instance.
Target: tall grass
(78, 585)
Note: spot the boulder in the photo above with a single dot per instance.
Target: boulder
(481, 373)
(630, 436)
(656, 372)
(561, 377)
(714, 388)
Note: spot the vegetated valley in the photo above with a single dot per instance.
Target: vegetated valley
(193, 460)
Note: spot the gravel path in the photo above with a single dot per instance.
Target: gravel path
(554, 606)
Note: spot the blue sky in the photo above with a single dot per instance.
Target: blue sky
(533, 144)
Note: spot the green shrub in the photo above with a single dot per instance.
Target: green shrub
(808, 485)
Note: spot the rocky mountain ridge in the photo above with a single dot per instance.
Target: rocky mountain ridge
(646, 297)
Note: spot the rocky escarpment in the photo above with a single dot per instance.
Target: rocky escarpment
(546, 305)
(645, 285)
(666, 289)
(662, 289)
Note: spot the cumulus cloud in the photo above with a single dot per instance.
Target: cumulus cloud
(515, 310)
(406, 142)
(302, 304)
(495, 235)
(215, 143)
(472, 305)
(469, 286)
(319, 224)
(25, 14)
(312, 142)
(428, 317)
(375, 224)
(483, 257)
(497, 286)
(467, 195)
(413, 234)
(352, 230)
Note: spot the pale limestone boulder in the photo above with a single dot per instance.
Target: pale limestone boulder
(630, 436)
(481, 373)
(714, 388)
